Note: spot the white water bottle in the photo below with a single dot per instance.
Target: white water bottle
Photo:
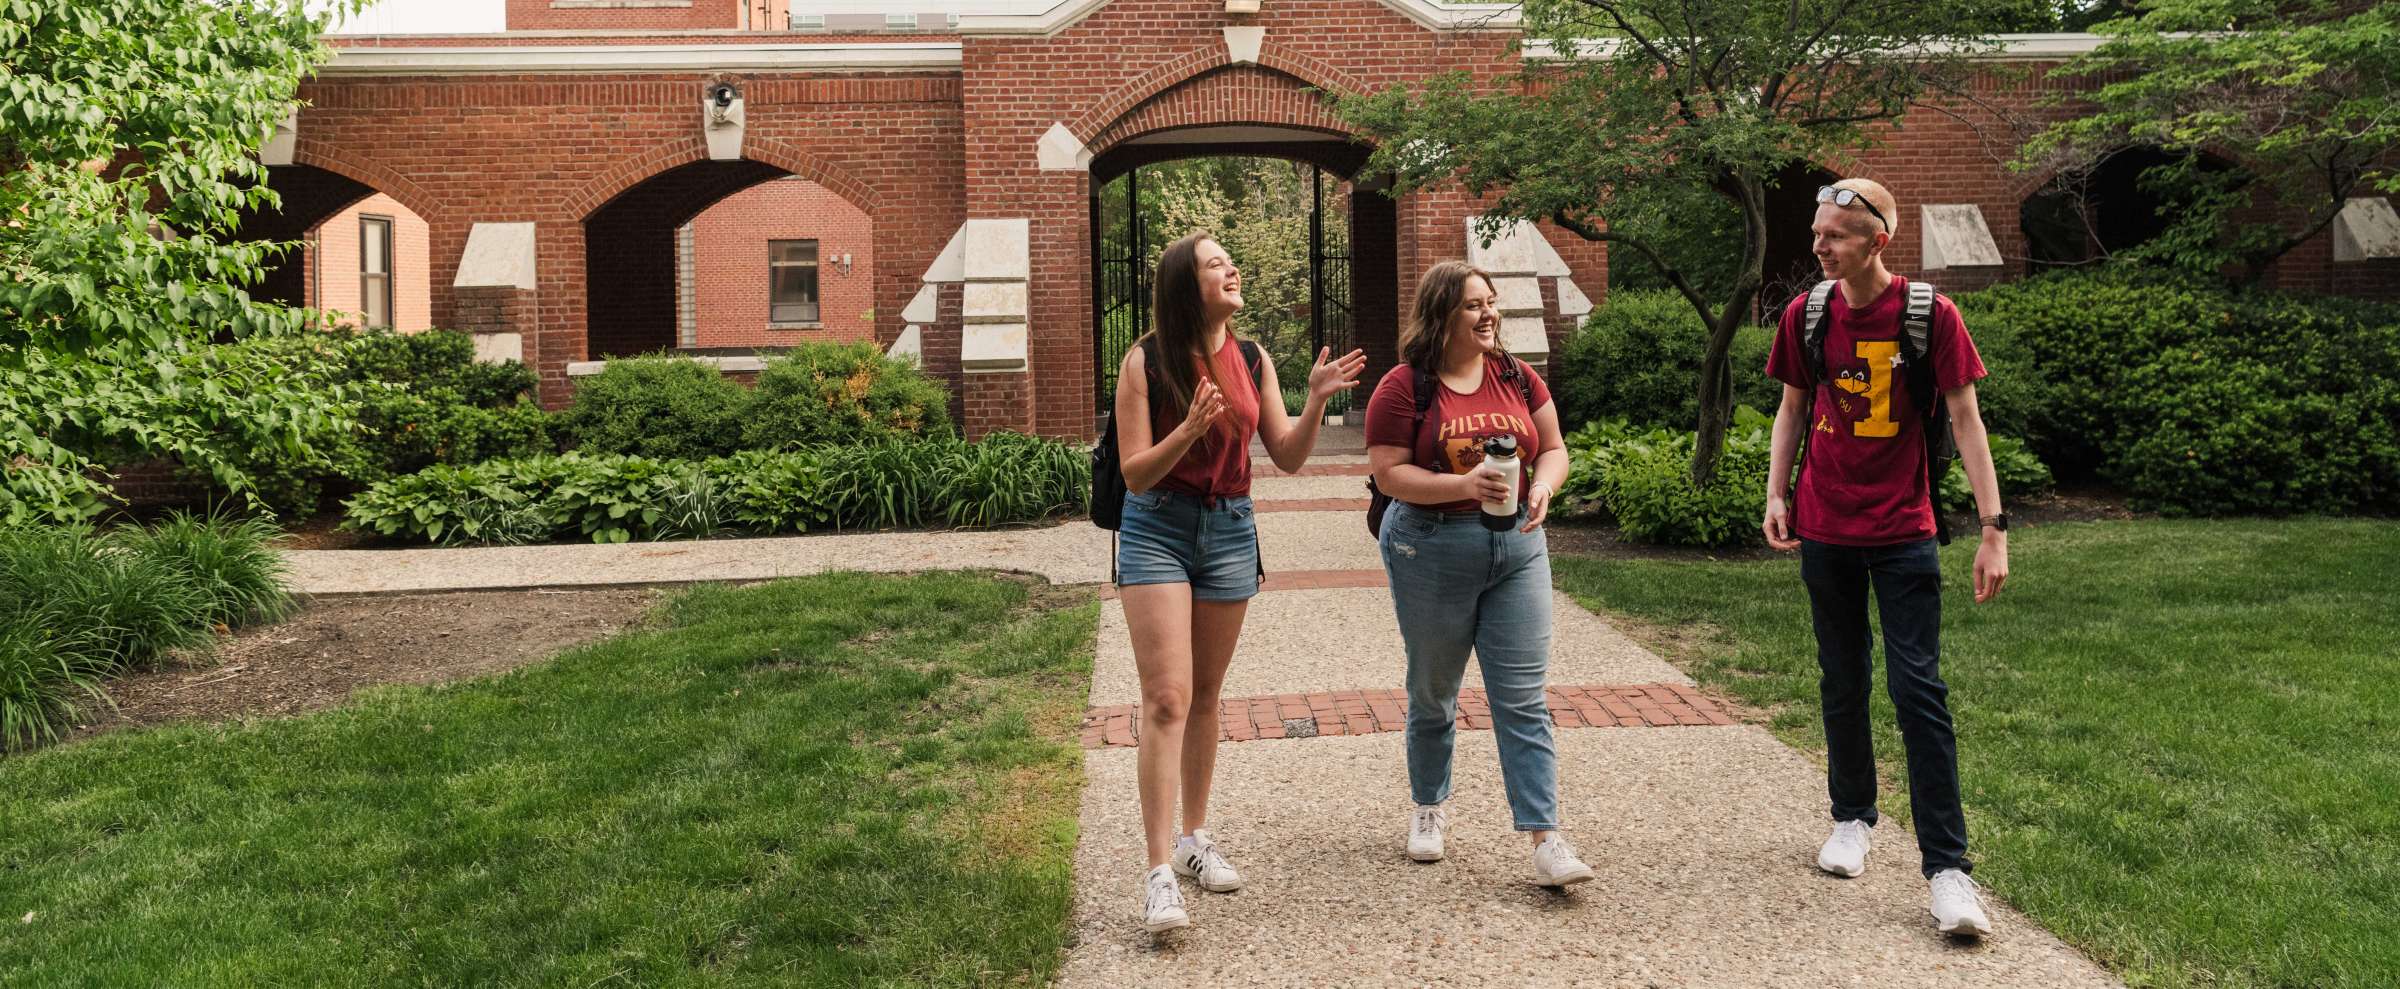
(1500, 454)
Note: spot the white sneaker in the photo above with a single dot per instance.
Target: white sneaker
(1162, 902)
(1196, 856)
(1956, 907)
(1555, 864)
(1845, 853)
(1425, 828)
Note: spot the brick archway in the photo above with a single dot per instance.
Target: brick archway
(783, 157)
(1225, 96)
(1106, 112)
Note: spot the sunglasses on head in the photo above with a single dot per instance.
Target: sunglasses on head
(1845, 198)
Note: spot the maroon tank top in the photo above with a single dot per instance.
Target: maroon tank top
(1218, 466)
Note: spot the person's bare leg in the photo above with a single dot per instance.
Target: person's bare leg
(1160, 619)
(1216, 628)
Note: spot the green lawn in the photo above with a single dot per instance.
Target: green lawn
(2180, 740)
(840, 780)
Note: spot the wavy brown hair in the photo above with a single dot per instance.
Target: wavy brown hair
(1438, 295)
(1180, 322)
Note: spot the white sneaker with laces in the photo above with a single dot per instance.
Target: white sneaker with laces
(1956, 907)
(1425, 828)
(1556, 864)
(1196, 856)
(1162, 902)
(1845, 853)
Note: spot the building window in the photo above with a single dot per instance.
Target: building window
(806, 22)
(792, 281)
(375, 270)
(900, 22)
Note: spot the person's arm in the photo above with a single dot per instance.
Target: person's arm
(1549, 469)
(1782, 448)
(1975, 454)
(1144, 462)
(1289, 443)
(1397, 477)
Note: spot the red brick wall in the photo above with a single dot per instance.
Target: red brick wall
(919, 152)
(502, 149)
(622, 15)
(729, 265)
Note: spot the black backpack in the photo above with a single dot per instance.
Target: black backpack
(1916, 354)
(1108, 473)
(1377, 501)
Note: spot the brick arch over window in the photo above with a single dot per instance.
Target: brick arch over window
(1176, 72)
(1229, 96)
(637, 170)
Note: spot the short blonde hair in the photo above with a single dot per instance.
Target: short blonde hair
(1881, 197)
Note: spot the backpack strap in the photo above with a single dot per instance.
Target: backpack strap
(1812, 329)
(1253, 357)
(1516, 371)
(1423, 407)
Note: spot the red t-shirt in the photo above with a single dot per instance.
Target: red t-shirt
(1218, 466)
(1864, 483)
(1458, 424)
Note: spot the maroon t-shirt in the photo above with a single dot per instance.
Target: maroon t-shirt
(1864, 483)
(1458, 424)
(1218, 466)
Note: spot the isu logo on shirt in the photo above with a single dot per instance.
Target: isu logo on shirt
(1862, 394)
(1461, 438)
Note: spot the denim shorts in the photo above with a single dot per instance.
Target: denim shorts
(1168, 537)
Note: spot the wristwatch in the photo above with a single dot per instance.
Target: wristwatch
(1999, 521)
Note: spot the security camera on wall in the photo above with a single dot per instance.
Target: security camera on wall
(721, 112)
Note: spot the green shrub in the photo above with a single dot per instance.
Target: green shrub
(76, 608)
(773, 492)
(227, 559)
(2194, 398)
(1637, 357)
(657, 406)
(2019, 472)
(134, 608)
(1003, 479)
(450, 505)
(1654, 500)
(42, 683)
(1008, 477)
(825, 394)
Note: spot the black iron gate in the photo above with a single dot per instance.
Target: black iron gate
(1328, 278)
(1120, 293)
(1121, 280)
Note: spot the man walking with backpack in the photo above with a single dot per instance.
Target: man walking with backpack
(1878, 374)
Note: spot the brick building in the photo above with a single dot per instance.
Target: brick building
(573, 172)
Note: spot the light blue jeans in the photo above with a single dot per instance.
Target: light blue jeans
(1458, 586)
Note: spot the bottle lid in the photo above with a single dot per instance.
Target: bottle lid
(1503, 445)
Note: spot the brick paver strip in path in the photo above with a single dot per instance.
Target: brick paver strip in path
(1363, 712)
(1319, 470)
(1312, 505)
(1298, 580)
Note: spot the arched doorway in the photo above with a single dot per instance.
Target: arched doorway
(2083, 216)
(1325, 255)
(363, 255)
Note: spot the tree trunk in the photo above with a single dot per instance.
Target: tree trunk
(1716, 371)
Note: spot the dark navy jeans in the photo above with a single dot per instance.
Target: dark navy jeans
(1907, 584)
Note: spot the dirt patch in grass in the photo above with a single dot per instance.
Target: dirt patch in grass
(318, 658)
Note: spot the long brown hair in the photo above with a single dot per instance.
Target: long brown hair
(1179, 322)
(1438, 295)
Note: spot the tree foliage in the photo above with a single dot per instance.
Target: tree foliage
(1626, 113)
(2304, 96)
(128, 134)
